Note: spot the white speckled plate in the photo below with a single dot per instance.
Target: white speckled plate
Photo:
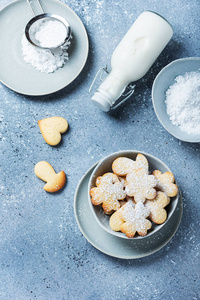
(21, 77)
(161, 84)
(113, 245)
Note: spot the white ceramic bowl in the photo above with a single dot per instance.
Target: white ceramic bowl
(104, 166)
(161, 84)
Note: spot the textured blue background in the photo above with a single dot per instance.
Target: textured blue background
(43, 254)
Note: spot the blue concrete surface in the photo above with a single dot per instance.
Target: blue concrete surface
(42, 251)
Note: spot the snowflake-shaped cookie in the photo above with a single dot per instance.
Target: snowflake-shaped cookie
(134, 218)
(156, 206)
(165, 183)
(123, 165)
(108, 191)
(140, 185)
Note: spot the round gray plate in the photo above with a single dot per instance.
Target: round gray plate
(113, 245)
(21, 77)
(161, 84)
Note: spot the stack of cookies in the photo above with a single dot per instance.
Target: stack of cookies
(132, 197)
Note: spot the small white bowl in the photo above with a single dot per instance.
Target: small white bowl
(104, 166)
(161, 84)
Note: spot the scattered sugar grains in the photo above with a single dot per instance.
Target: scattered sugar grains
(183, 102)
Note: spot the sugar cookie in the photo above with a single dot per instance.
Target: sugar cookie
(123, 165)
(122, 179)
(54, 182)
(140, 185)
(134, 218)
(165, 183)
(115, 221)
(51, 129)
(156, 206)
(108, 191)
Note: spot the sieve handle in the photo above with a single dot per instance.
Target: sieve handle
(31, 7)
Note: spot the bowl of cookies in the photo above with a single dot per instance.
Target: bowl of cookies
(132, 194)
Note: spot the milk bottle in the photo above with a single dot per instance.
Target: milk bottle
(133, 57)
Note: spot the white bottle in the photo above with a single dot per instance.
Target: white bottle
(133, 57)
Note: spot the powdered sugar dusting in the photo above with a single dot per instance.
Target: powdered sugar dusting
(140, 185)
(111, 187)
(157, 212)
(136, 212)
(108, 191)
(136, 216)
(123, 165)
(165, 183)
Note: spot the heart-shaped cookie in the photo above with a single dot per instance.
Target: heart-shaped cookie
(51, 129)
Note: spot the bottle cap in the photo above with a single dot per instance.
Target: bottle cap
(102, 100)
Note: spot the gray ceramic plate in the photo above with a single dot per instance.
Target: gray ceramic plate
(104, 166)
(113, 245)
(21, 77)
(161, 84)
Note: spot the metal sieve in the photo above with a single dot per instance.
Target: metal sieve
(45, 17)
